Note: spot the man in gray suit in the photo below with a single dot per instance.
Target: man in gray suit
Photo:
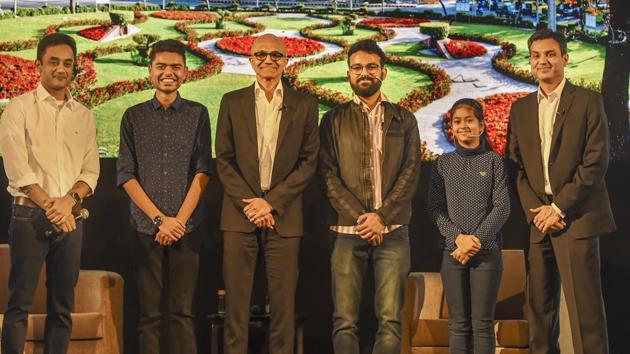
(558, 155)
(267, 145)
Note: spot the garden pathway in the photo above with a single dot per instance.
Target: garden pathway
(473, 77)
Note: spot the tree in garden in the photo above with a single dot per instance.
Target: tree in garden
(348, 25)
(615, 81)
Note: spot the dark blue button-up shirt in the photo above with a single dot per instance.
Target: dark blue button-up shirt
(164, 150)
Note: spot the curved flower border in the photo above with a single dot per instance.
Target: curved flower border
(191, 34)
(463, 49)
(100, 95)
(184, 15)
(296, 47)
(393, 21)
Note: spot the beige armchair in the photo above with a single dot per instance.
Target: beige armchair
(425, 314)
(97, 317)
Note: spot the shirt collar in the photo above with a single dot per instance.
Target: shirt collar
(259, 91)
(177, 104)
(43, 95)
(555, 94)
(356, 99)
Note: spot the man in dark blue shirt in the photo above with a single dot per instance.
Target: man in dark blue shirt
(164, 165)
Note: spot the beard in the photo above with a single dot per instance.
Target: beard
(366, 90)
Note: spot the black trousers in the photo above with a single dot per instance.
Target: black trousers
(240, 252)
(178, 266)
(576, 264)
(29, 249)
(471, 291)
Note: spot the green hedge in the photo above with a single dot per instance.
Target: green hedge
(437, 30)
(56, 10)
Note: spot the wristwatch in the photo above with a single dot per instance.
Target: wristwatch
(157, 221)
(76, 197)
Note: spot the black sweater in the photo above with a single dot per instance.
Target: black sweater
(468, 195)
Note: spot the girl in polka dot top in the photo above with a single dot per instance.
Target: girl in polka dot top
(469, 202)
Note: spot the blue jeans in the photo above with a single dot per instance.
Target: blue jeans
(471, 294)
(349, 261)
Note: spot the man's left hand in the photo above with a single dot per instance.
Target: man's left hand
(59, 208)
(546, 218)
(369, 226)
(256, 208)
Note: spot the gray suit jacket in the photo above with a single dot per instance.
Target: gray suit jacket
(237, 159)
(577, 162)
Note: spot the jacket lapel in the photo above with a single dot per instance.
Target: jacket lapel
(249, 113)
(530, 122)
(563, 108)
(288, 110)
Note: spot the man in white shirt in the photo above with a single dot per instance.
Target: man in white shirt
(267, 144)
(558, 156)
(50, 156)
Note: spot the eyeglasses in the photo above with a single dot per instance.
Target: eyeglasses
(357, 69)
(262, 55)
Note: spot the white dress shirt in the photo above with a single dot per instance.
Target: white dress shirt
(48, 142)
(547, 112)
(268, 115)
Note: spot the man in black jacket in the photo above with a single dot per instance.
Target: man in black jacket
(370, 162)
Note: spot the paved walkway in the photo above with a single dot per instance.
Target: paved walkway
(472, 77)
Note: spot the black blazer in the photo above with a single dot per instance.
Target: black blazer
(578, 161)
(237, 159)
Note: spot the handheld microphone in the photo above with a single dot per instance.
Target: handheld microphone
(82, 215)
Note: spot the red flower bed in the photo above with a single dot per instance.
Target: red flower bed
(94, 33)
(184, 15)
(393, 22)
(464, 49)
(496, 111)
(17, 76)
(296, 47)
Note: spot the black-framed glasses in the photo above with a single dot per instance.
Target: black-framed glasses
(357, 69)
(262, 55)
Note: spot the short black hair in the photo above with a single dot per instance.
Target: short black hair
(545, 33)
(168, 45)
(369, 46)
(54, 39)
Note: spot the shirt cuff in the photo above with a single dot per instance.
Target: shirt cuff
(26, 180)
(90, 180)
(555, 207)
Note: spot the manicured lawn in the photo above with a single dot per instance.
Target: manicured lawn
(336, 31)
(117, 67)
(287, 23)
(33, 27)
(399, 82)
(410, 50)
(203, 28)
(208, 92)
(164, 28)
(586, 60)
